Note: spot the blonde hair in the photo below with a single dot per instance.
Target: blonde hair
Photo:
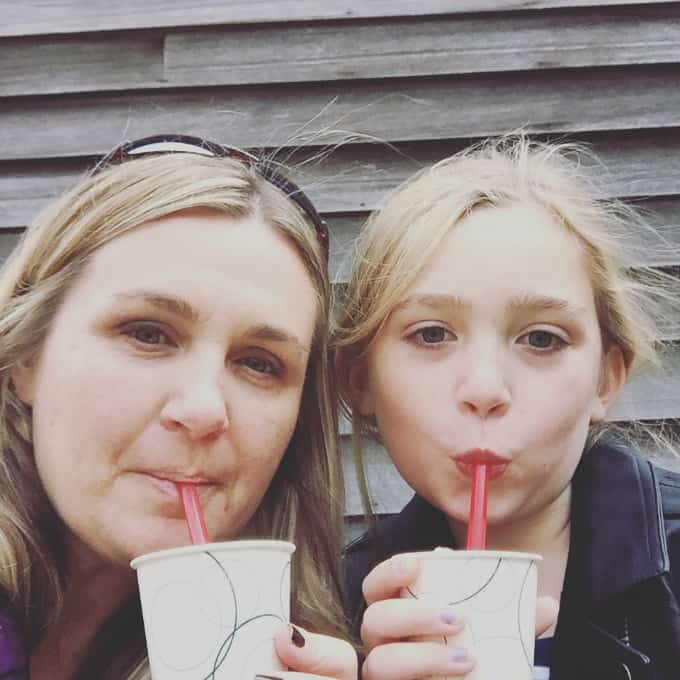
(399, 239)
(305, 499)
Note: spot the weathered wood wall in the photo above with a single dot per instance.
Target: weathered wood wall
(428, 77)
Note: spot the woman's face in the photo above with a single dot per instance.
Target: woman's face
(494, 350)
(180, 354)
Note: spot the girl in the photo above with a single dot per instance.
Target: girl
(147, 337)
(489, 316)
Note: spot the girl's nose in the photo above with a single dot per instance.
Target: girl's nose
(483, 390)
(200, 411)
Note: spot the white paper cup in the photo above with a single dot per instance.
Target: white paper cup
(211, 611)
(494, 592)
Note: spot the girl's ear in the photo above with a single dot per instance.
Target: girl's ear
(23, 378)
(359, 387)
(612, 379)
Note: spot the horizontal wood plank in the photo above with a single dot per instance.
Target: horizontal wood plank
(33, 17)
(58, 64)
(428, 46)
(400, 47)
(569, 100)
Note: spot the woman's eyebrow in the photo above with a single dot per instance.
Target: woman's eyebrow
(269, 333)
(163, 302)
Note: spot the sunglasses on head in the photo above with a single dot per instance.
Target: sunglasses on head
(158, 144)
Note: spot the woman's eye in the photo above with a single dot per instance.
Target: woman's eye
(147, 334)
(543, 340)
(433, 335)
(261, 365)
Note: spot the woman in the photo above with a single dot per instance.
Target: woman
(490, 319)
(164, 321)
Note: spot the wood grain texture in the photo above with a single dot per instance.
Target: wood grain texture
(572, 100)
(427, 46)
(58, 64)
(385, 48)
(33, 17)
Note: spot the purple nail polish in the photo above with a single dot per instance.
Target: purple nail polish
(458, 654)
(448, 618)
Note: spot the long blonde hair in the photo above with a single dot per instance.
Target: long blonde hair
(305, 499)
(397, 241)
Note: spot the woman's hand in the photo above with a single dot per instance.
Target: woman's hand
(313, 657)
(392, 626)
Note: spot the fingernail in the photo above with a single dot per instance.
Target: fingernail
(448, 617)
(403, 564)
(297, 637)
(459, 654)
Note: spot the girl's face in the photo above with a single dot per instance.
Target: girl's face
(495, 348)
(180, 354)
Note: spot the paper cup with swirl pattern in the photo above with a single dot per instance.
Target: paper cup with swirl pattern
(495, 593)
(211, 611)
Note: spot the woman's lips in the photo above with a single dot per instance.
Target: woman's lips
(495, 464)
(168, 485)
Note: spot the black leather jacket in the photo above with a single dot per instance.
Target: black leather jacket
(620, 606)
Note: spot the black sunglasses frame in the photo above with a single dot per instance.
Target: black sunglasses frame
(189, 144)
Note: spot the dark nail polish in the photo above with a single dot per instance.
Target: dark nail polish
(297, 638)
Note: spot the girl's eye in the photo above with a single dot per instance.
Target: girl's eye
(147, 333)
(261, 365)
(433, 335)
(543, 340)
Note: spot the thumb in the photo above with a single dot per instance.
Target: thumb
(313, 654)
(547, 609)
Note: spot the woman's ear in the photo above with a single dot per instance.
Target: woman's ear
(612, 379)
(23, 378)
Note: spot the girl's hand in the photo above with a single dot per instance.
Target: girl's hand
(390, 624)
(313, 657)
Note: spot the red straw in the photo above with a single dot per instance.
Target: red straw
(193, 513)
(476, 536)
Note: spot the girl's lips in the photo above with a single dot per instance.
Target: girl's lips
(495, 464)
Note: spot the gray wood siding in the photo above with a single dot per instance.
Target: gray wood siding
(76, 16)
(412, 81)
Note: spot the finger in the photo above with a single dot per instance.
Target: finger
(547, 609)
(321, 655)
(393, 620)
(410, 660)
(387, 579)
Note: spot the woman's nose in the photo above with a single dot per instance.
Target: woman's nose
(483, 389)
(199, 410)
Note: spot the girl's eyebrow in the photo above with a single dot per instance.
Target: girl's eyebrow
(537, 303)
(525, 302)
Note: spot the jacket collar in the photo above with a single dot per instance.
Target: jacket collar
(617, 533)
